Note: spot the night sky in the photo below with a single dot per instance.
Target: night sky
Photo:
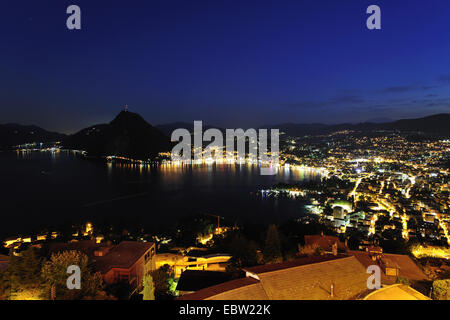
(229, 63)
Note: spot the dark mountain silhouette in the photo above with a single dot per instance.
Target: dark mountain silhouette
(128, 135)
(380, 120)
(168, 128)
(435, 124)
(438, 123)
(13, 134)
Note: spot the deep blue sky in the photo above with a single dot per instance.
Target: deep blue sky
(229, 63)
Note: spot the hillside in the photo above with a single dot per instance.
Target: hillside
(436, 124)
(13, 134)
(128, 135)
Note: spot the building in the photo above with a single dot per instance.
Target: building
(325, 242)
(392, 266)
(128, 261)
(181, 263)
(338, 212)
(314, 278)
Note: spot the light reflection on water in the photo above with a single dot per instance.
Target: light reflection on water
(54, 187)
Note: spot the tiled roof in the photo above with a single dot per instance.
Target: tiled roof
(406, 266)
(292, 263)
(324, 242)
(313, 281)
(294, 280)
(220, 288)
(396, 292)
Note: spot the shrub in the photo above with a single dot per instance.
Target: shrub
(441, 289)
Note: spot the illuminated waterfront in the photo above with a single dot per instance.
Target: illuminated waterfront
(52, 188)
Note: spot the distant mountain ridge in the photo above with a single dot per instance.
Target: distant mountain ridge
(434, 124)
(128, 135)
(168, 128)
(13, 134)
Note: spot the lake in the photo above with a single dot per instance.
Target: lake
(43, 189)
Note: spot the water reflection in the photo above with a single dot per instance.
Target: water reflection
(166, 191)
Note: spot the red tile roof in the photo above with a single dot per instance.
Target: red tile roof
(324, 242)
(218, 289)
(292, 263)
(303, 279)
(406, 266)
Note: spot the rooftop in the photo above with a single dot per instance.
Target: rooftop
(124, 255)
(336, 278)
(406, 266)
(291, 264)
(396, 292)
(325, 242)
(226, 287)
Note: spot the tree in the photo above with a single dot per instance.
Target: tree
(403, 280)
(243, 253)
(161, 281)
(22, 278)
(441, 289)
(121, 290)
(149, 288)
(54, 273)
(310, 250)
(272, 248)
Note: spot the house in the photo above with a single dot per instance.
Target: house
(128, 261)
(313, 278)
(392, 266)
(325, 242)
(180, 263)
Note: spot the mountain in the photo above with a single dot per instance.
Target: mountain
(128, 135)
(435, 124)
(168, 128)
(13, 134)
(379, 120)
(438, 123)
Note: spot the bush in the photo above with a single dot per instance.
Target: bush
(404, 281)
(441, 290)
(310, 250)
